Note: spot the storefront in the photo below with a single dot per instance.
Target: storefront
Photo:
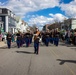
(8, 19)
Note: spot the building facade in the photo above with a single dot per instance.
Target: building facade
(45, 27)
(7, 20)
(21, 25)
(69, 24)
(52, 26)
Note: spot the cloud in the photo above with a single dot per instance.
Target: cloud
(21, 7)
(58, 17)
(70, 9)
(42, 20)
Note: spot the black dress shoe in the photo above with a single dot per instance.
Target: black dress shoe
(34, 52)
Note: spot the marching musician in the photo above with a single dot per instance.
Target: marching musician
(36, 41)
(27, 38)
(18, 40)
(47, 37)
(51, 36)
(56, 37)
(31, 36)
(43, 37)
(9, 38)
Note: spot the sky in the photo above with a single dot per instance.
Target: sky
(41, 12)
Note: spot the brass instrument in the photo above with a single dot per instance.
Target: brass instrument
(35, 36)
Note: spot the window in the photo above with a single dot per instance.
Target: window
(0, 18)
(9, 12)
(11, 21)
(1, 25)
(0, 11)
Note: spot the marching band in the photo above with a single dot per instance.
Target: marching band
(37, 36)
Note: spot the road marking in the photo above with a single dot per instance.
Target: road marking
(70, 69)
(73, 73)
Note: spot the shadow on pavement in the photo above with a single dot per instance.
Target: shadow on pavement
(26, 52)
(64, 61)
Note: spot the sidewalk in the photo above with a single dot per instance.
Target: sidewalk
(2, 44)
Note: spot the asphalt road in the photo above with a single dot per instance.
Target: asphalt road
(51, 60)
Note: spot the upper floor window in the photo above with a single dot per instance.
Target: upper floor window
(12, 14)
(9, 13)
(0, 18)
(0, 11)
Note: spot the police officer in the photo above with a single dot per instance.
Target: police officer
(9, 39)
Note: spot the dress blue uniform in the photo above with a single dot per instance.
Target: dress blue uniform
(31, 35)
(9, 39)
(27, 39)
(18, 40)
(51, 37)
(43, 37)
(56, 38)
(36, 42)
(47, 38)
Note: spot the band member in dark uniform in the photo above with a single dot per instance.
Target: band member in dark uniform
(9, 39)
(51, 37)
(56, 37)
(36, 41)
(47, 37)
(18, 40)
(31, 35)
(22, 39)
(27, 38)
(43, 37)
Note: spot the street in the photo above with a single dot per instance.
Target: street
(51, 60)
